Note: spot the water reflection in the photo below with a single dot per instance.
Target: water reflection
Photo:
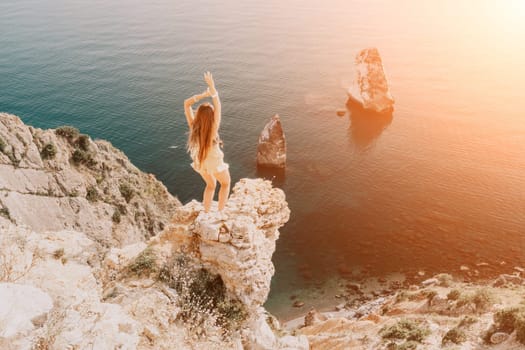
(365, 126)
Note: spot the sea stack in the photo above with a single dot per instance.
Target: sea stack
(271, 150)
(370, 88)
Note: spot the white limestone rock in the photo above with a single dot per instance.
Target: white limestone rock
(370, 88)
(54, 194)
(55, 242)
(254, 213)
(19, 304)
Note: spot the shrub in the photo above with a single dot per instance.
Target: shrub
(99, 178)
(430, 294)
(508, 320)
(401, 296)
(408, 345)
(482, 299)
(58, 253)
(202, 295)
(83, 157)
(92, 194)
(116, 216)
(145, 262)
(126, 191)
(5, 213)
(404, 329)
(68, 132)
(411, 296)
(82, 142)
(454, 335)
(49, 151)
(454, 294)
(445, 279)
(2, 145)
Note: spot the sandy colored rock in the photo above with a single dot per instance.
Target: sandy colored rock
(251, 220)
(19, 305)
(53, 194)
(75, 275)
(271, 149)
(370, 88)
(313, 317)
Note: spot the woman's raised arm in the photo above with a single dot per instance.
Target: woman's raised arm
(188, 111)
(215, 98)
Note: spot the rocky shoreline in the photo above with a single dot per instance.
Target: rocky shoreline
(441, 311)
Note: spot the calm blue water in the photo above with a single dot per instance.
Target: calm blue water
(440, 184)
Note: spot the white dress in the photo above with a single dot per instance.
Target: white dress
(214, 161)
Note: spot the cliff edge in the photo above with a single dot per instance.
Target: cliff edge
(96, 254)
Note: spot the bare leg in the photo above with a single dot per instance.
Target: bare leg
(224, 192)
(209, 191)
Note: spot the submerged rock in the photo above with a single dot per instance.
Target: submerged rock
(370, 88)
(271, 150)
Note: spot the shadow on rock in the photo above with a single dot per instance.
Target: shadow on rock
(366, 126)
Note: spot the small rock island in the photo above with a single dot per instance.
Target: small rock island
(369, 89)
(271, 149)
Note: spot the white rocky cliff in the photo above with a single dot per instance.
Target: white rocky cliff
(271, 149)
(74, 277)
(61, 179)
(370, 89)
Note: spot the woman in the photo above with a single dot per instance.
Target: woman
(204, 144)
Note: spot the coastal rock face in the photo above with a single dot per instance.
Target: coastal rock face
(62, 289)
(60, 179)
(370, 87)
(238, 245)
(271, 150)
(130, 297)
(72, 276)
(50, 295)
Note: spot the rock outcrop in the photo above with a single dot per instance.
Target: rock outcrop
(236, 245)
(271, 150)
(50, 273)
(71, 280)
(61, 179)
(370, 89)
(239, 245)
(137, 296)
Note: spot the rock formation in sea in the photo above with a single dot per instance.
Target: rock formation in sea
(369, 89)
(271, 149)
(157, 275)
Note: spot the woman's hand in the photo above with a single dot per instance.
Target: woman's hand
(211, 84)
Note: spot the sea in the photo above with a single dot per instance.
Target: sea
(437, 185)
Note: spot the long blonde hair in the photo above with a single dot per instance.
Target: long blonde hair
(200, 138)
